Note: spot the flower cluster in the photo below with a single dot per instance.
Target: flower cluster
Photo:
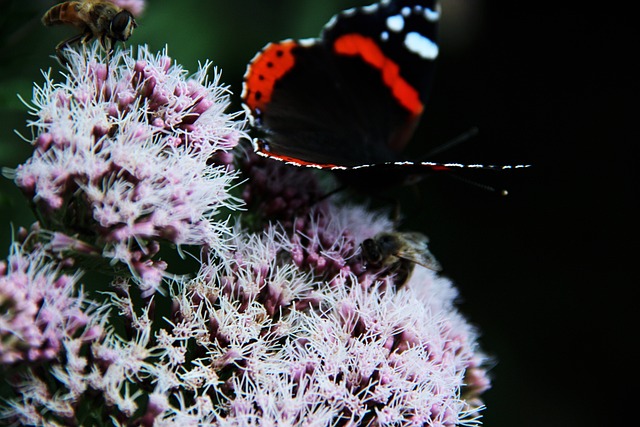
(49, 320)
(283, 346)
(42, 308)
(122, 158)
(324, 237)
(282, 324)
(270, 195)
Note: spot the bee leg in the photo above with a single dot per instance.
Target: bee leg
(402, 272)
(66, 43)
(107, 46)
(88, 36)
(109, 56)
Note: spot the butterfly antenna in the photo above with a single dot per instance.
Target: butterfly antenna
(463, 137)
(329, 194)
(485, 187)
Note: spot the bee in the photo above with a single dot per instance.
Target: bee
(397, 253)
(98, 19)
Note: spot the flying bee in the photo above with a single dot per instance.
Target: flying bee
(98, 19)
(397, 253)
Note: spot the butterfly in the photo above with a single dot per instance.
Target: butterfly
(350, 100)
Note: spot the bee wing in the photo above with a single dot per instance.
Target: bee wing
(417, 250)
(414, 238)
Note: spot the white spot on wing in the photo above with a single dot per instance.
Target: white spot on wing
(406, 11)
(432, 15)
(331, 22)
(395, 23)
(384, 36)
(419, 44)
(372, 8)
(307, 42)
(350, 12)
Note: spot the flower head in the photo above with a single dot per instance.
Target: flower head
(122, 157)
(41, 307)
(278, 192)
(271, 343)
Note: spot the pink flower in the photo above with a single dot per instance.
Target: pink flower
(41, 307)
(278, 192)
(122, 157)
(136, 7)
(284, 323)
(294, 345)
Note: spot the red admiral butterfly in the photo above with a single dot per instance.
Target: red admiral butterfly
(351, 99)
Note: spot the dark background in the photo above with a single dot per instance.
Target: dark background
(544, 273)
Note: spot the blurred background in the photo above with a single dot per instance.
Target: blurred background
(545, 272)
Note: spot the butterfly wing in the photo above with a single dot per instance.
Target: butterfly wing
(396, 42)
(350, 98)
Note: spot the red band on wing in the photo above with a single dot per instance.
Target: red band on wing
(270, 65)
(364, 47)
